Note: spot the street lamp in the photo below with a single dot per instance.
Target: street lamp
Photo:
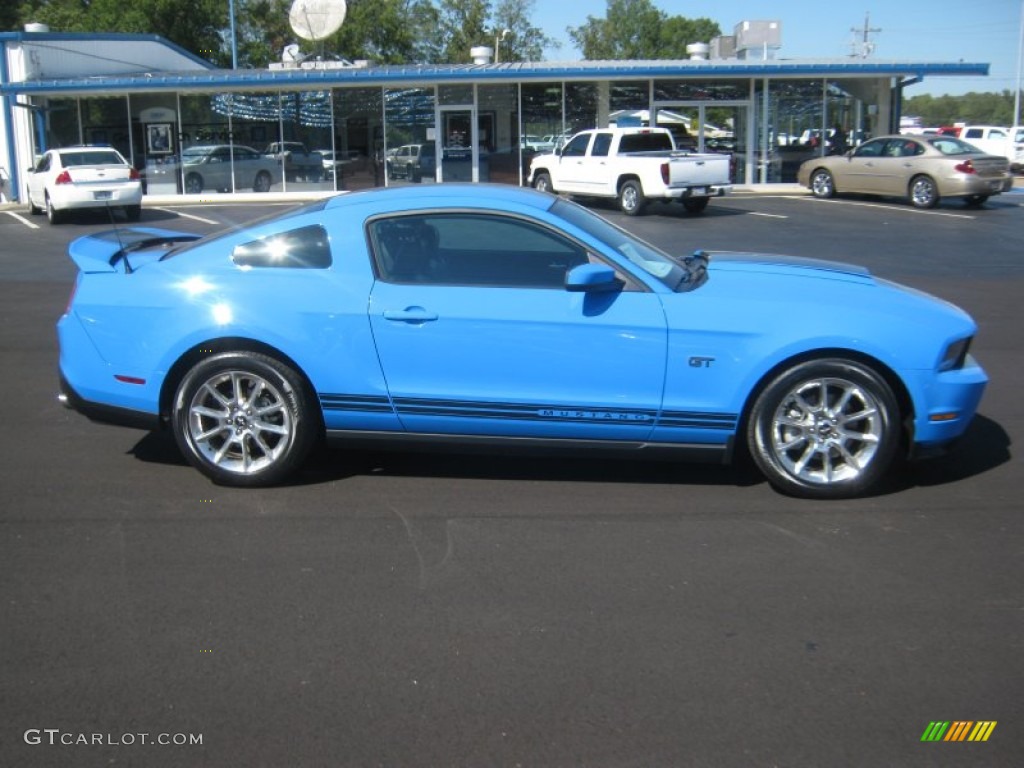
(499, 36)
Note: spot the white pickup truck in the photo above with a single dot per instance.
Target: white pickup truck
(632, 165)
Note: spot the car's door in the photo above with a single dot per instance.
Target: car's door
(901, 161)
(860, 172)
(477, 334)
(572, 169)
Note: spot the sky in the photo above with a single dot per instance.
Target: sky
(935, 31)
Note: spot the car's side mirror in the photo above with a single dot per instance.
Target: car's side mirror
(592, 278)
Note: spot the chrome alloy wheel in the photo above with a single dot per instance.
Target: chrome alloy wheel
(827, 430)
(822, 184)
(240, 422)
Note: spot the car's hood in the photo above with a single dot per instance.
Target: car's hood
(792, 266)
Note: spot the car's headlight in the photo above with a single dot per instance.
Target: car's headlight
(955, 355)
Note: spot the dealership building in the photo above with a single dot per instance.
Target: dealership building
(165, 109)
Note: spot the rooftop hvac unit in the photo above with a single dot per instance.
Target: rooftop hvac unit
(723, 47)
(754, 36)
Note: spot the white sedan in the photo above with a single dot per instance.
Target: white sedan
(84, 177)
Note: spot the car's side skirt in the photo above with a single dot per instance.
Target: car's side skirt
(718, 453)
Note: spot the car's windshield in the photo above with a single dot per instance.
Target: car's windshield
(671, 271)
(90, 157)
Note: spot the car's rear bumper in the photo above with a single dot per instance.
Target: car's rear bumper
(972, 184)
(106, 414)
(66, 197)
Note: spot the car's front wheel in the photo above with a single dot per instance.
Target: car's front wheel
(631, 198)
(822, 184)
(244, 419)
(542, 182)
(924, 192)
(824, 429)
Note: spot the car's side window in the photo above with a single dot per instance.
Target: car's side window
(303, 248)
(602, 143)
(870, 149)
(472, 249)
(577, 147)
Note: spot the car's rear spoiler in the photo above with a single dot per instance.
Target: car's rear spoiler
(102, 251)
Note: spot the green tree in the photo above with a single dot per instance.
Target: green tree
(635, 29)
(195, 25)
(972, 108)
(523, 42)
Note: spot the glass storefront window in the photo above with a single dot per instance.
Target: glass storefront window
(358, 160)
(410, 135)
(498, 119)
(105, 122)
(702, 90)
(627, 98)
(581, 106)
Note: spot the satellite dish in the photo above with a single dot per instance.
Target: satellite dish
(316, 19)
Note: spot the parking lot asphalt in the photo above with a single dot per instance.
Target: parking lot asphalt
(398, 609)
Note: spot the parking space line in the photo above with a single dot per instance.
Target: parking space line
(892, 208)
(22, 219)
(176, 212)
(768, 215)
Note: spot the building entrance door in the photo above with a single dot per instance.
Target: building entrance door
(459, 143)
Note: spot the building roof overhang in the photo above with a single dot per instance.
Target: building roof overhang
(313, 78)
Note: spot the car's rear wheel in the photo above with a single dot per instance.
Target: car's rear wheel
(824, 429)
(53, 215)
(822, 184)
(631, 198)
(975, 201)
(244, 419)
(262, 182)
(193, 184)
(924, 192)
(133, 212)
(542, 182)
(696, 204)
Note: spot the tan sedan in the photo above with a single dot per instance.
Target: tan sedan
(923, 169)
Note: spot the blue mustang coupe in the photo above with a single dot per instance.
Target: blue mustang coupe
(477, 314)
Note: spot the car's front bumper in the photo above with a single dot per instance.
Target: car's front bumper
(945, 404)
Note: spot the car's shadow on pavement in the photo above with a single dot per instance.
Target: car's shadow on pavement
(985, 446)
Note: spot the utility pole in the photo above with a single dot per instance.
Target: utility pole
(865, 46)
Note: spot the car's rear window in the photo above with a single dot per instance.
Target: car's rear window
(90, 157)
(645, 142)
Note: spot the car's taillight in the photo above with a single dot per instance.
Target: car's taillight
(664, 173)
(965, 167)
(63, 178)
(133, 175)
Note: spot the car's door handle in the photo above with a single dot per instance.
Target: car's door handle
(410, 315)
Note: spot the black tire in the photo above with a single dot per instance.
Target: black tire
(823, 186)
(52, 214)
(542, 182)
(133, 212)
(244, 419)
(262, 182)
(975, 201)
(193, 184)
(824, 429)
(696, 204)
(923, 192)
(631, 198)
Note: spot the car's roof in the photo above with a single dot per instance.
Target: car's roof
(85, 148)
(450, 195)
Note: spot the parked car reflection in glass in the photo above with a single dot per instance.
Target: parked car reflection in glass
(208, 168)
